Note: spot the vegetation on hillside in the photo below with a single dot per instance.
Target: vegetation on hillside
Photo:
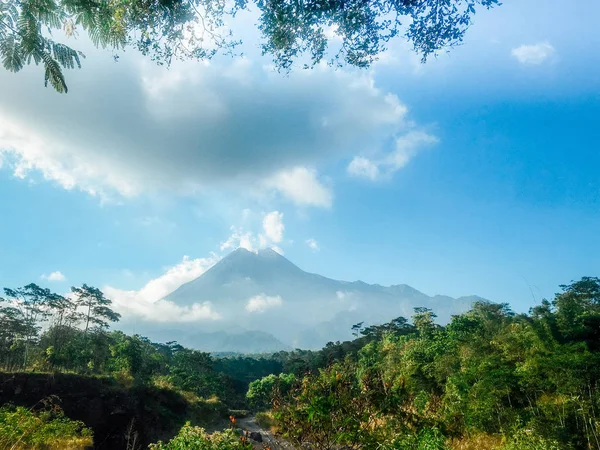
(196, 438)
(489, 379)
(51, 345)
(49, 429)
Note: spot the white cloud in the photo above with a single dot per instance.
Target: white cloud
(133, 128)
(534, 54)
(262, 302)
(313, 245)
(187, 270)
(301, 186)
(406, 147)
(270, 235)
(240, 239)
(344, 295)
(131, 305)
(148, 303)
(54, 276)
(278, 250)
(364, 168)
(273, 226)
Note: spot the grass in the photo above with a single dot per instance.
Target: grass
(477, 442)
(267, 421)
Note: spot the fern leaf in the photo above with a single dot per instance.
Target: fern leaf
(12, 54)
(53, 74)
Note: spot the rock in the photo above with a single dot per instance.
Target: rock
(256, 436)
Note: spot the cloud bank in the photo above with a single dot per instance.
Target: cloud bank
(148, 304)
(133, 128)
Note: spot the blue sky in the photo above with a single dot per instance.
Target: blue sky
(476, 173)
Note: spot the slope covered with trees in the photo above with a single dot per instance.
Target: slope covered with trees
(57, 353)
(489, 379)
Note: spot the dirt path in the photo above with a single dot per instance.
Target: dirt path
(269, 440)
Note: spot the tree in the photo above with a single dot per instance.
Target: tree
(578, 311)
(262, 392)
(32, 302)
(95, 306)
(423, 319)
(13, 329)
(168, 29)
(357, 329)
(191, 370)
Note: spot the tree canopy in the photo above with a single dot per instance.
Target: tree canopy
(490, 379)
(291, 30)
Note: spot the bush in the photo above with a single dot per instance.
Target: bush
(526, 440)
(262, 392)
(426, 439)
(195, 438)
(20, 428)
(266, 420)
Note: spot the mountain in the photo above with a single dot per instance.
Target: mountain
(265, 292)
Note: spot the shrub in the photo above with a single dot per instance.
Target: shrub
(526, 440)
(195, 438)
(426, 439)
(262, 392)
(266, 420)
(20, 428)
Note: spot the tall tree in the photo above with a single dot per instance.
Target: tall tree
(13, 329)
(167, 29)
(95, 306)
(32, 302)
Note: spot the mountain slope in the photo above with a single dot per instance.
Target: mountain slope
(266, 292)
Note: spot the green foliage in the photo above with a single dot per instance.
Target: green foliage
(21, 428)
(515, 381)
(532, 379)
(29, 308)
(426, 439)
(326, 410)
(524, 440)
(265, 420)
(301, 362)
(196, 438)
(244, 369)
(95, 306)
(168, 29)
(262, 392)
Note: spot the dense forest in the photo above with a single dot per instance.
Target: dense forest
(489, 379)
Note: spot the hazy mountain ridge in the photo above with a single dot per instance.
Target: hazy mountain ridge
(301, 309)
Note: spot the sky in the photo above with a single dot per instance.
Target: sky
(475, 173)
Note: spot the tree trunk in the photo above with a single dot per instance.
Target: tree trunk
(87, 322)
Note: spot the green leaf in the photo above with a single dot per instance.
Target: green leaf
(12, 54)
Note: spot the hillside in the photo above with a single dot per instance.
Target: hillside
(266, 292)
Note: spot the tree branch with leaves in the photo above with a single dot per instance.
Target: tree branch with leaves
(292, 31)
